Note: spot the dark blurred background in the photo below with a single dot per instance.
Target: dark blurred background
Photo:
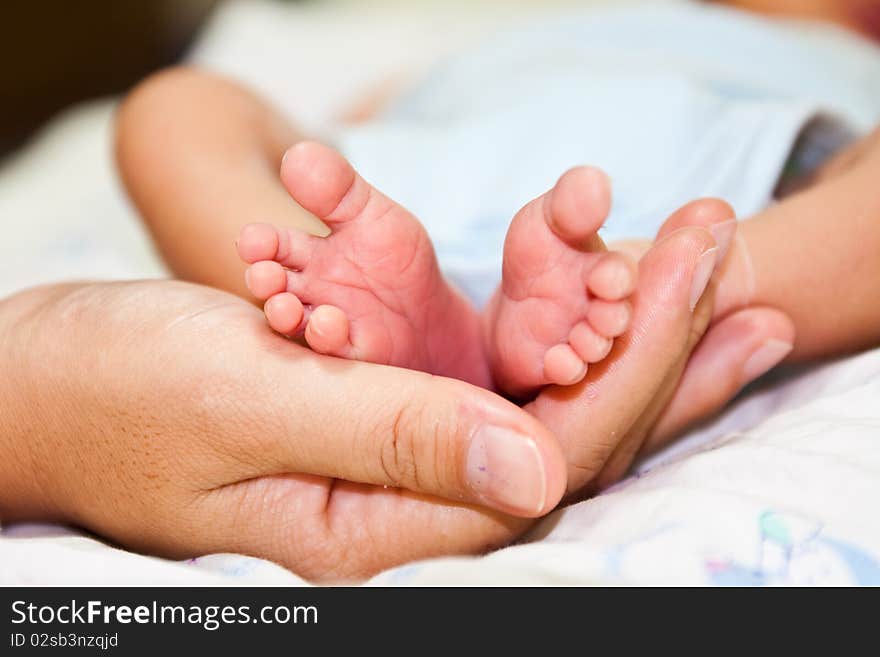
(56, 52)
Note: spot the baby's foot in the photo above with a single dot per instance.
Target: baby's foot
(563, 296)
(372, 289)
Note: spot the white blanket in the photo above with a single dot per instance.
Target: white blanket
(781, 489)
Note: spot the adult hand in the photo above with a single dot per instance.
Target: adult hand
(168, 417)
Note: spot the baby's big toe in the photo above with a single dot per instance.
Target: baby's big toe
(579, 204)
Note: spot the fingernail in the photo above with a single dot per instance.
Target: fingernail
(702, 273)
(723, 234)
(247, 277)
(765, 358)
(505, 468)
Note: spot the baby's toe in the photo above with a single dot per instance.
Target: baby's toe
(579, 204)
(613, 277)
(284, 313)
(291, 247)
(327, 331)
(609, 318)
(257, 242)
(265, 279)
(563, 366)
(323, 182)
(589, 345)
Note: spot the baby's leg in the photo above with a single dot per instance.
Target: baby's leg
(197, 176)
(372, 289)
(563, 296)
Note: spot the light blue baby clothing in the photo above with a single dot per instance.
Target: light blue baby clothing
(674, 102)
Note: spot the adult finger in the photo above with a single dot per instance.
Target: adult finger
(392, 427)
(630, 445)
(717, 217)
(735, 352)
